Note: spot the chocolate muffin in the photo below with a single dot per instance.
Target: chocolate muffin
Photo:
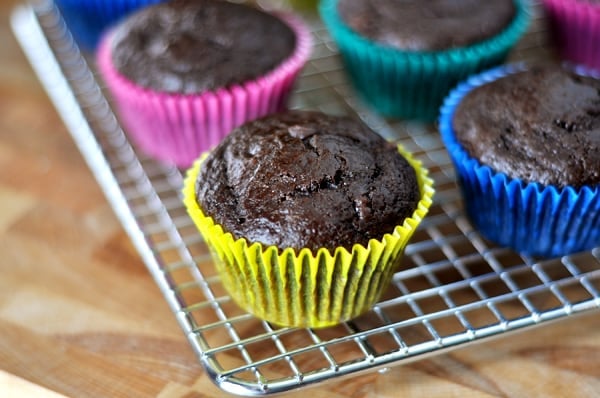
(184, 73)
(427, 25)
(404, 56)
(305, 179)
(306, 215)
(539, 125)
(190, 46)
(525, 143)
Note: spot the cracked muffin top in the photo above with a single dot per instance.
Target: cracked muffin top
(540, 125)
(306, 179)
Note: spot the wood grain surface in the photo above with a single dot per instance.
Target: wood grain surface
(81, 317)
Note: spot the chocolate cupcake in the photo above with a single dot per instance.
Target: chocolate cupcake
(575, 30)
(186, 72)
(526, 145)
(404, 57)
(307, 215)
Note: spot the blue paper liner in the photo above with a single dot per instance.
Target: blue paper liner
(88, 19)
(413, 84)
(529, 217)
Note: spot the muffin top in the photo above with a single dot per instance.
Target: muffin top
(306, 179)
(190, 46)
(427, 25)
(541, 125)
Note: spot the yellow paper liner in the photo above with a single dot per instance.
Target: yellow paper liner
(305, 289)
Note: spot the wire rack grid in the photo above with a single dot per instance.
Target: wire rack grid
(454, 288)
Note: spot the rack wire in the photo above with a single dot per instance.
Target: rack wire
(454, 288)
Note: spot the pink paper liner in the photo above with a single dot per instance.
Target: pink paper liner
(176, 128)
(575, 29)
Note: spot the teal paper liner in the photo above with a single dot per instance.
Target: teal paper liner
(411, 84)
(530, 218)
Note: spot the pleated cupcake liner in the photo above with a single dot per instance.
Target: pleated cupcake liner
(302, 288)
(530, 218)
(177, 128)
(575, 29)
(88, 19)
(413, 84)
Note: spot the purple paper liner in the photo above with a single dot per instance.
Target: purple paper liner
(575, 29)
(530, 218)
(176, 128)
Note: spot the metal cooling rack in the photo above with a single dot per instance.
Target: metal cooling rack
(455, 287)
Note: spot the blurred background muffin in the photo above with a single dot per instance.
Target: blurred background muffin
(88, 19)
(184, 73)
(575, 30)
(404, 57)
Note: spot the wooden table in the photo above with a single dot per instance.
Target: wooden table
(80, 315)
